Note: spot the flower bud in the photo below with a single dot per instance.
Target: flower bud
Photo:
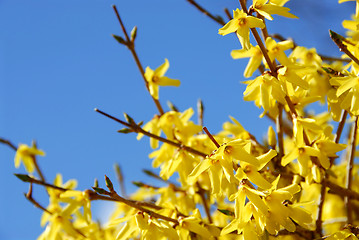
(272, 141)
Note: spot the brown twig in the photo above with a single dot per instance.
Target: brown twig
(256, 142)
(264, 30)
(200, 110)
(279, 127)
(228, 14)
(120, 179)
(332, 59)
(339, 131)
(333, 187)
(131, 46)
(154, 175)
(34, 160)
(95, 196)
(341, 191)
(319, 221)
(323, 57)
(41, 175)
(7, 142)
(286, 128)
(170, 185)
(138, 129)
(338, 40)
(26, 178)
(112, 193)
(281, 38)
(259, 41)
(29, 197)
(201, 9)
(201, 193)
(349, 175)
(211, 137)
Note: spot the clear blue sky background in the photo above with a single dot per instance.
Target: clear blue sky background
(58, 62)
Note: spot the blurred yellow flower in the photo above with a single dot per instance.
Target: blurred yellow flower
(26, 154)
(267, 9)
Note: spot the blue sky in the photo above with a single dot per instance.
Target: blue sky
(58, 62)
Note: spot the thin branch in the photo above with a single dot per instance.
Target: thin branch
(281, 38)
(29, 197)
(200, 111)
(201, 193)
(279, 127)
(95, 196)
(323, 57)
(145, 185)
(319, 221)
(338, 40)
(273, 69)
(339, 131)
(211, 137)
(341, 191)
(349, 178)
(115, 197)
(138, 129)
(26, 178)
(332, 59)
(120, 179)
(264, 30)
(255, 142)
(10, 144)
(201, 9)
(228, 14)
(259, 41)
(154, 175)
(341, 126)
(286, 128)
(131, 46)
(41, 175)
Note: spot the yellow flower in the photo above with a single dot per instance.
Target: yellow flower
(308, 57)
(278, 2)
(76, 200)
(156, 78)
(276, 50)
(152, 228)
(54, 197)
(282, 211)
(266, 9)
(255, 55)
(220, 165)
(327, 149)
(193, 224)
(241, 23)
(353, 27)
(289, 75)
(235, 129)
(265, 90)
(152, 127)
(348, 85)
(307, 125)
(343, 234)
(26, 154)
(252, 171)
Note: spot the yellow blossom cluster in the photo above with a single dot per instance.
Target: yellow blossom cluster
(299, 182)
